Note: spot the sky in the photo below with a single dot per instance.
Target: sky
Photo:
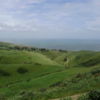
(50, 19)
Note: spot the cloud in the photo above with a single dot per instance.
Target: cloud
(94, 25)
(51, 18)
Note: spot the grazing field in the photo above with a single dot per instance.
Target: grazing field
(29, 73)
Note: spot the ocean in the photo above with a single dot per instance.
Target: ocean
(64, 44)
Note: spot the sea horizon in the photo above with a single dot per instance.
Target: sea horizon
(64, 44)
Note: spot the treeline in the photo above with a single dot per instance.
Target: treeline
(23, 48)
(27, 48)
(33, 48)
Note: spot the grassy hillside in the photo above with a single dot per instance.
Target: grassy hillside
(74, 59)
(23, 57)
(28, 73)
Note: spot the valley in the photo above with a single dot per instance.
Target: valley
(30, 73)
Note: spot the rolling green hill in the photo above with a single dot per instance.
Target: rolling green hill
(28, 73)
(23, 57)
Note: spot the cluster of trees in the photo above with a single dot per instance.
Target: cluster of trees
(27, 48)
(23, 48)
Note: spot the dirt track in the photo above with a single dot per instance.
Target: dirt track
(74, 97)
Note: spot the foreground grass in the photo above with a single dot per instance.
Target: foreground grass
(67, 84)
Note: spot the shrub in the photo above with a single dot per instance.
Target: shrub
(38, 64)
(4, 73)
(26, 96)
(22, 70)
(91, 62)
(65, 59)
(95, 72)
(94, 95)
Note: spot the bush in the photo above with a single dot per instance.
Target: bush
(65, 59)
(91, 62)
(4, 73)
(22, 70)
(26, 96)
(96, 72)
(38, 64)
(94, 95)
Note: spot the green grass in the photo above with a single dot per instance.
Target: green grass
(51, 71)
(23, 57)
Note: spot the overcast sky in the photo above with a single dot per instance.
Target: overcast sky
(50, 19)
